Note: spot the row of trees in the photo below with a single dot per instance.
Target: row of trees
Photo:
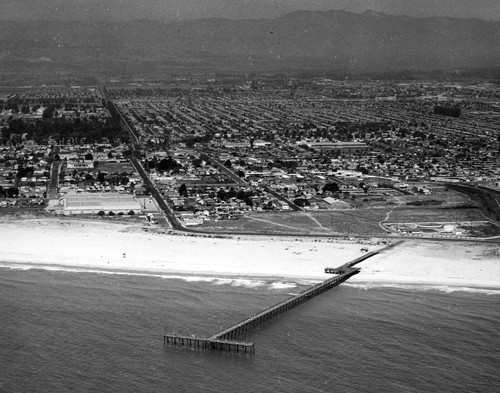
(164, 165)
(453, 111)
(16, 103)
(102, 177)
(112, 213)
(64, 131)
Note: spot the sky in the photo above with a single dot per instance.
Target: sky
(167, 10)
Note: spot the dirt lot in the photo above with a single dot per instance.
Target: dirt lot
(362, 222)
(115, 167)
(448, 198)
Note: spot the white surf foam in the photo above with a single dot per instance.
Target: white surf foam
(282, 285)
(235, 282)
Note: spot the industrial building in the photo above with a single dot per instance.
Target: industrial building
(93, 203)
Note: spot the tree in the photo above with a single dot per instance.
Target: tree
(6, 133)
(228, 164)
(89, 157)
(331, 187)
(248, 200)
(231, 193)
(183, 190)
(197, 162)
(302, 202)
(101, 213)
(222, 194)
(12, 192)
(48, 112)
(101, 177)
(241, 195)
(168, 164)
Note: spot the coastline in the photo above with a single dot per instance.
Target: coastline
(434, 264)
(124, 248)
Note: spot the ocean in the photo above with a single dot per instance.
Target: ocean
(82, 331)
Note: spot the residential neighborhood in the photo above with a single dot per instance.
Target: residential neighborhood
(220, 149)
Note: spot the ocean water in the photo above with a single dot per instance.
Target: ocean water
(80, 331)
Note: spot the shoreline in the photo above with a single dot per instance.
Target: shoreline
(255, 281)
(124, 248)
(199, 276)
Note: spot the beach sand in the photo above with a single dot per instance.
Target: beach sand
(95, 244)
(435, 263)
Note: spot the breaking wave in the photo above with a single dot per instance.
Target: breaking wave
(232, 281)
(283, 285)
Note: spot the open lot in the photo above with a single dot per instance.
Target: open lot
(115, 167)
(349, 222)
(448, 198)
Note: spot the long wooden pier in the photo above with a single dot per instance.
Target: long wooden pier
(224, 340)
(285, 305)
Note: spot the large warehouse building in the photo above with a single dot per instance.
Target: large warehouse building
(93, 203)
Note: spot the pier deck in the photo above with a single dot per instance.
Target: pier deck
(223, 340)
(348, 265)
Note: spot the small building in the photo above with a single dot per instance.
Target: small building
(334, 203)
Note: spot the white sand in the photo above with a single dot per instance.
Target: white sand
(104, 245)
(464, 264)
(82, 243)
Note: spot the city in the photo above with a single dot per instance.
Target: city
(277, 155)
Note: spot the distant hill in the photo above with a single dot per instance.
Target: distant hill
(335, 41)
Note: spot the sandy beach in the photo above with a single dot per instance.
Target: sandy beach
(97, 244)
(463, 264)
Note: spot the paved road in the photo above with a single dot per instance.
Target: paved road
(227, 171)
(54, 180)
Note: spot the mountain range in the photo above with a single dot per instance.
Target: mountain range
(335, 41)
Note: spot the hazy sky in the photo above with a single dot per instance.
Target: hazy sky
(112, 10)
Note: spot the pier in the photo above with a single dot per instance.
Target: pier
(349, 265)
(224, 339)
(209, 343)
